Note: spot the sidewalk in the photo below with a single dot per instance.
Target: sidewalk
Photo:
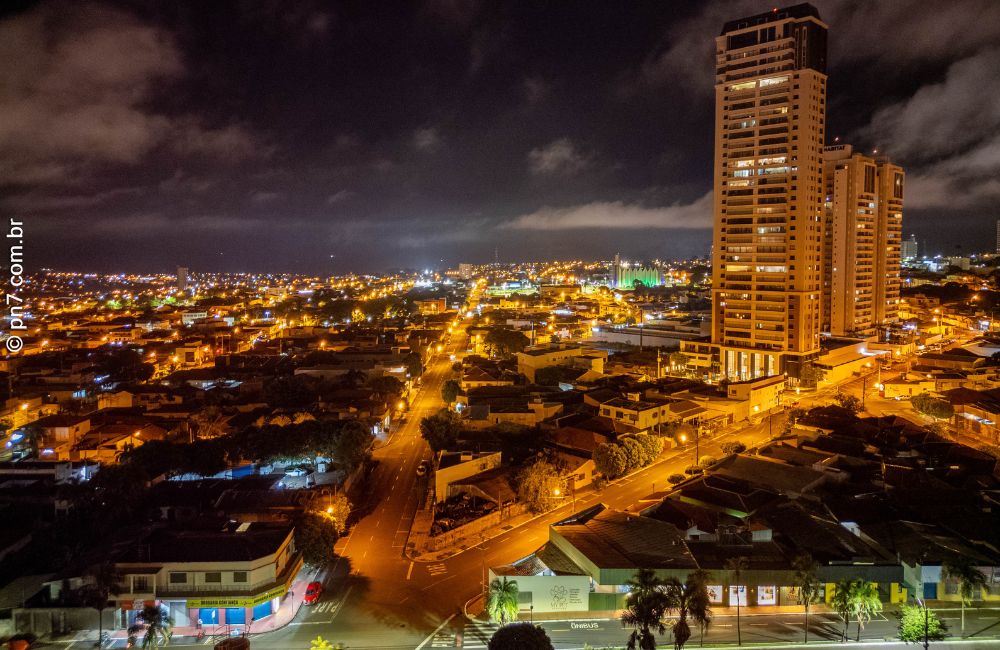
(286, 613)
(421, 526)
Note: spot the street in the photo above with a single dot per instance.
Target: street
(375, 597)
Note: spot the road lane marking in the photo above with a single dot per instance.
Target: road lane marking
(436, 569)
(434, 633)
(434, 584)
(409, 571)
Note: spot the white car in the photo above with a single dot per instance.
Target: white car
(296, 471)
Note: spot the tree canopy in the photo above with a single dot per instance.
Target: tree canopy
(504, 342)
(450, 390)
(315, 536)
(936, 408)
(440, 430)
(539, 486)
(520, 636)
(630, 452)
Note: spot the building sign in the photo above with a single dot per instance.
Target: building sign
(767, 595)
(136, 604)
(566, 598)
(714, 594)
(742, 590)
(237, 601)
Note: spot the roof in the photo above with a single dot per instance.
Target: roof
(726, 494)
(769, 473)
(612, 539)
(62, 420)
(496, 483)
(216, 544)
(578, 438)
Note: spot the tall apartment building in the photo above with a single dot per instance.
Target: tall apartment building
(998, 235)
(910, 248)
(863, 230)
(770, 114)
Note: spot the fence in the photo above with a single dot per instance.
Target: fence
(474, 527)
(60, 620)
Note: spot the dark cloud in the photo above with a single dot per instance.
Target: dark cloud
(323, 135)
(558, 158)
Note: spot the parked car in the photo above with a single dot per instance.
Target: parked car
(313, 592)
(296, 471)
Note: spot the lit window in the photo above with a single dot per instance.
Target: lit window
(772, 81)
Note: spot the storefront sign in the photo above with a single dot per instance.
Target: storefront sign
(136, 604)
(237, 601)
(714, 594)
(767, 595)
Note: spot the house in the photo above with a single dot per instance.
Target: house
(533, 359)
(60, 433)
(455, 466)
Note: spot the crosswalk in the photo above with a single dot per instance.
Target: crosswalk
(476, 635)
(444, 639)
(437, 569)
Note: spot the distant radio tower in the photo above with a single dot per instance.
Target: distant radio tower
(496, 254)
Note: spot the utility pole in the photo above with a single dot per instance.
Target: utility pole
(697, 443)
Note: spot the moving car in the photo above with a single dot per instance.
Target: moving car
(313, 592)
(422, 469)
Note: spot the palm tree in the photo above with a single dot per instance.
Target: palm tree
(841, 603)
(689, 599)
(971, 581)
(864, 602)
(644, 608)
(104, 581)
(501, 604)
(736, 566)
(807, 583)
(155, 626)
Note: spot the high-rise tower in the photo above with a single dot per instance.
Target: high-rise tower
(863, 228)
(770, 114)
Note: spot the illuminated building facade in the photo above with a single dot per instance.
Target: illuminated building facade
(625, 275)
(863, 230)
(768, 185)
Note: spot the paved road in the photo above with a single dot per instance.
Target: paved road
(772, 628)
(376, 598)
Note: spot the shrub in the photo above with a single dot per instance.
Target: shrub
(730, 448)
(674, 479)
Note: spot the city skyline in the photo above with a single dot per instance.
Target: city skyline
(381, 325)
(268, 140)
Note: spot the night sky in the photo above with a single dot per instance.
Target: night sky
(330, 137)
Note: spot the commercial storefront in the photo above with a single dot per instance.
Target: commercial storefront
(234, 576)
